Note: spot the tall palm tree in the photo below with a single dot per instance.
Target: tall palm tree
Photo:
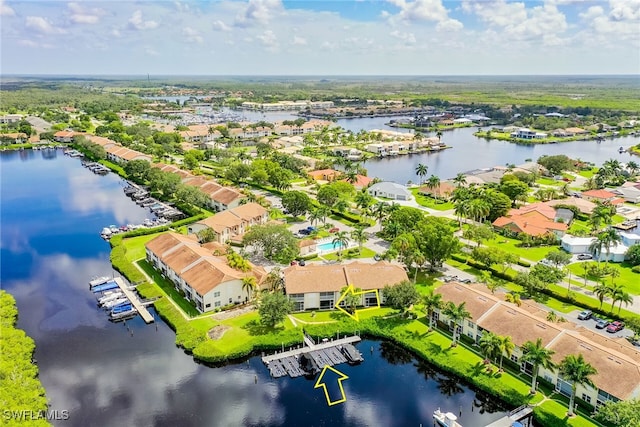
(506, 348)
(434, 183)
(601, 290)
(633, 168)
(538, 356)
(625, 298)
(431, 302)
(490, 344)
(513, 297)
(341, 240)
(617, 293)
(363, 199)
(457, 314)
(249, 285)
(610, 237)
(359, 236)
(323, 212)
(576, 371)
(380, 210)
(478, 209)
(314, 216)
(421, 171)
(461, 208)
(460, 180)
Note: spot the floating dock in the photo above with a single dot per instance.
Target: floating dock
(522, 414)
(135, 301)
(327, 353)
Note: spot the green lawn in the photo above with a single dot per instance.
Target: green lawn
(135, 246)
(430, 202)
(169, 289)
(628, 279)
(549, 181)
(588, 173)
(366, 253)
(560, 411)
(507, 244)
(335, 315)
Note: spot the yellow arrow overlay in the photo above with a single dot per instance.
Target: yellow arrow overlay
(350, 290)
(320, 383)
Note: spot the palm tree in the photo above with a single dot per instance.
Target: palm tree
(576, 371)
(461, 208)
(609, 238)
(379, 211)
(431, 302)
(457, 314)
(363, 199)
(514, 298)
(341, 205)
(625, 298)
(538, 356)
(460, 180)
(617, 293)
(314, 216)
(359, 236)
(434, 183)
(341, 240)
(323, 212)
(601, 291)
(249, 285)
(421, 171)
(478, 209)
(490, 344)
(506, 347)
(633, 168)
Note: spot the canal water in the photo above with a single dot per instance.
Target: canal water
(51, 214)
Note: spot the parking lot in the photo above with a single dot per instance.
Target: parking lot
(591, 325)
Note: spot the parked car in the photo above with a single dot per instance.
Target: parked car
(311, 228)
(615, 326)
(294, 262)
(602, 323)
(585, 315)
(304, 231)
(584, 256)
(377, 257)
(301, 263)
(465, 281)
(334, 230)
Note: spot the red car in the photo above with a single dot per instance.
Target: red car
(615, 326)
(334, 230)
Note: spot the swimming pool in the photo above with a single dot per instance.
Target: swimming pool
(329, 247)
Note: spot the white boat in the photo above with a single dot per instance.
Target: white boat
(115, 302)
(445, 419)
(98, 281)
(106, 231)
(108, 298)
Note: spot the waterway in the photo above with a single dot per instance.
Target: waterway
(51, 213)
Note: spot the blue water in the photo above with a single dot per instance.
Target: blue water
(329, 247)
(108, 374)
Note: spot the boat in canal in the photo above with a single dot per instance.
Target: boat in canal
(115, 302)
(445, 419)
(352, 354)
(98, 281)
(105, 287)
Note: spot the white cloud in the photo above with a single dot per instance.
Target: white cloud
(42, 25)
(136, 22)
(151, 52)
(625, 10)
(192, 35)
(28, 43)
(426, 10)
(82, 15)
(518, 23)
(6, 10)
(299, 41)
(621, 23)
(268, 39)
(220, 26)
(258, 12)
(408, 38)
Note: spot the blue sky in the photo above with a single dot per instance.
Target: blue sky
(276, 37)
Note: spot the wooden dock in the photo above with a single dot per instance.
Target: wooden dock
(322, 354)
(522, 414)
(135, 301)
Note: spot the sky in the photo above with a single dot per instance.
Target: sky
(319, 37)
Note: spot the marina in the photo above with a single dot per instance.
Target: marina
(120, 299)
(311, 358)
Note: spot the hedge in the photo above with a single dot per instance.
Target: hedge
(523, 263)
(121, 264)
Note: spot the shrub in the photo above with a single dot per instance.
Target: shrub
(636, 269)
(523, 263)
(459, 258)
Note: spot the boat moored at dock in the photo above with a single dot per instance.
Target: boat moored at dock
(98, 281)
(445, 419)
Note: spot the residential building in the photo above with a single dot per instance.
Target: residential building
(10, 118)
(13, 138)
(324, 174)
(318, 286)
(616, 360)
(390, 190)
(230, 225)
(65, 135)
(602, 196)
(361, 182)
(536, 220)
(583, 205)
(205, 279)
(444, 190)
(615, 253)
(120, 154)
(526, 133)
(629, 194)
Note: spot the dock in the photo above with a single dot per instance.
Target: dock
(135, 301)
(522, 414)
(326, 353)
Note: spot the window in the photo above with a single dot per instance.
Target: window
(470, 324)
(217, 304)
(514, 358)
(216, 294)
(586, 397)
(208, 305)
(230, 300)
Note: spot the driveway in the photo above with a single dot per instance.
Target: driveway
(591, 325)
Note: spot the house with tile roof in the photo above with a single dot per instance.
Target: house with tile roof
(615, 359)
(120, 154)
(536, 220)
(13, 138)
(319, 286)
(205, 278)
(65, 135)
(602, 196)
(230, 225)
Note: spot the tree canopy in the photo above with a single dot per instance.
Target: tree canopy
(275, 241)
(273, 308)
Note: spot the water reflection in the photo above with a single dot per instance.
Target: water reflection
(109, 374)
